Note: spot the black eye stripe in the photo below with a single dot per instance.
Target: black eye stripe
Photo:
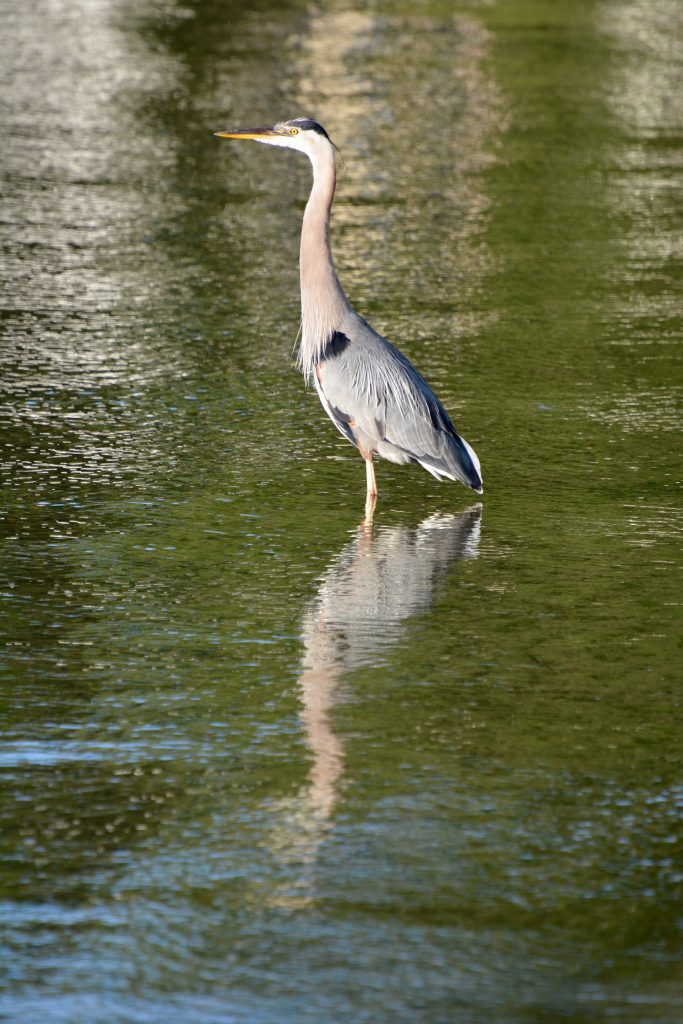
(308, 124)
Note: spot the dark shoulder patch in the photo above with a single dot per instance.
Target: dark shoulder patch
(335, 346)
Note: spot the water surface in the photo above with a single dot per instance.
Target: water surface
(263, 761)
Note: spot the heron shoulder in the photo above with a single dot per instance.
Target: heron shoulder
(381, 370)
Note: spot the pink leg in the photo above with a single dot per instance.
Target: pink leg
(370, 503)
(370, 476)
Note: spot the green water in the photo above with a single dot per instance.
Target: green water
(262, 762)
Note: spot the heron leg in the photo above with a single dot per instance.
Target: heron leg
(370, 477)
(370, 502)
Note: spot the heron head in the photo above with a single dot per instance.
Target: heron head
(302, 133)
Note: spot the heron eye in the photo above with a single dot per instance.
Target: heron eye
(293, 131)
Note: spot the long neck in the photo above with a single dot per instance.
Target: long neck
(323, 301)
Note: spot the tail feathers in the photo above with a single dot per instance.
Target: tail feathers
(458, 461)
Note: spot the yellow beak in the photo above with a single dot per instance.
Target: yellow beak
(247, 133)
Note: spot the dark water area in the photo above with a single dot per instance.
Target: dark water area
(263, 761)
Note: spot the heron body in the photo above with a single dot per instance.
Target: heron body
(371, 392)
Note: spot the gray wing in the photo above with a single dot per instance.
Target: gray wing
(378, 400)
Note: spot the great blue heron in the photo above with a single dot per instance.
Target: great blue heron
(371, 392)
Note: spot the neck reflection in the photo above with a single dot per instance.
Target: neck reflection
(381, 578)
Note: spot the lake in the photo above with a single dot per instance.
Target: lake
(263, 760)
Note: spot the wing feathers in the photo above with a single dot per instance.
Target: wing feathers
(378, 400)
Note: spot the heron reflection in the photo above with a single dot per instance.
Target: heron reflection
(381, 578)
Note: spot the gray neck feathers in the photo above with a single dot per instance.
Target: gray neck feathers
(323, 302)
